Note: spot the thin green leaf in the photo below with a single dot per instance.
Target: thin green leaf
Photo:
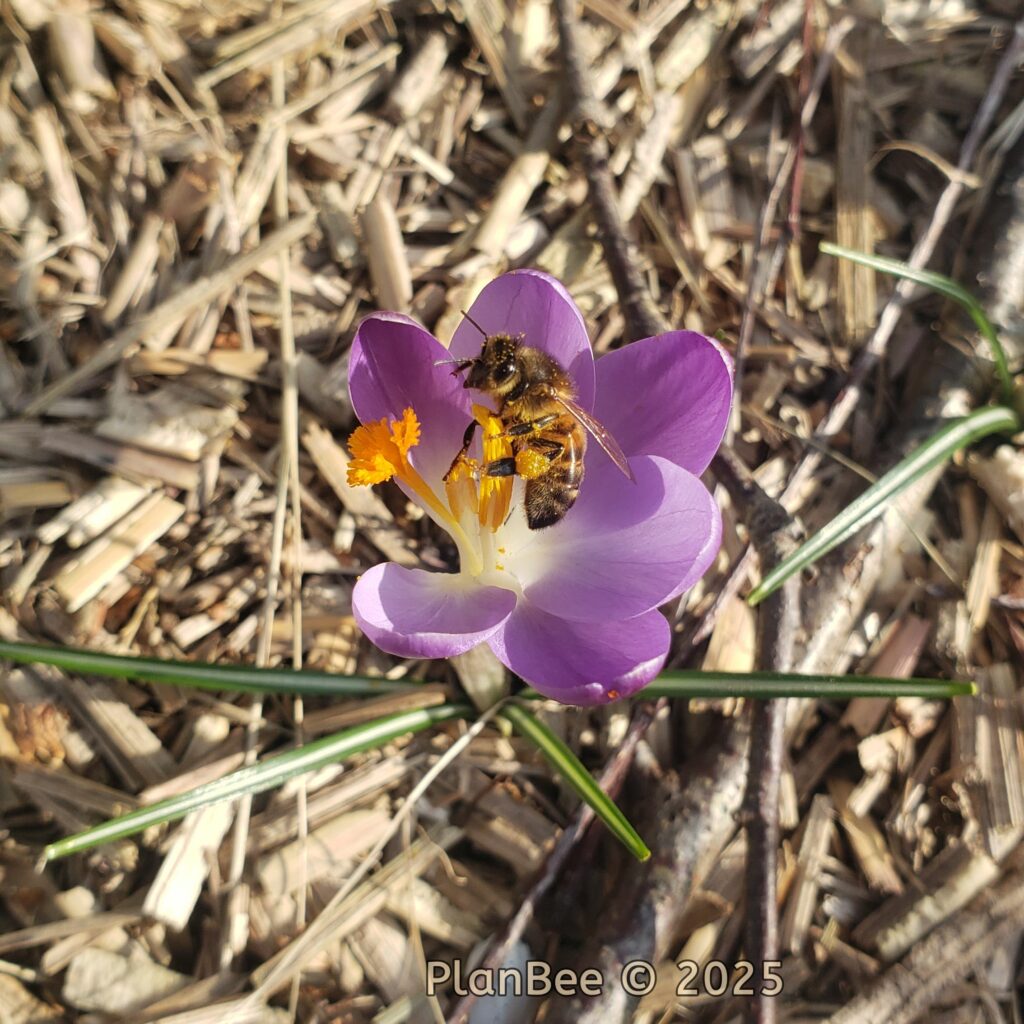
(259, 777)
(687, 684)
(204, 676)
(568, 765)
(945, 286)
(872, 503)
(767, 685)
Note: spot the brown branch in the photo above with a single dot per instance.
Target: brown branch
(804, 92)
(757, 284)
(642, 316)
(838, 601)
(655, 899)
(771, 533)
(689, 822)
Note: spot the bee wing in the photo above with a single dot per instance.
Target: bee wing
(599, 433)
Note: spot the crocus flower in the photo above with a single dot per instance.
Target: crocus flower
(572, 608)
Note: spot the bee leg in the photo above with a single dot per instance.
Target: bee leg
(467, 440)
(529, 463)
(532, 426)
(532, 460)
(547, 446)
(500, 467)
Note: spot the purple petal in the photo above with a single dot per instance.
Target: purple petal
(667, 396)
(418, 614)
(392, 368)
(533, 304)
(582, 663)
(624, 547)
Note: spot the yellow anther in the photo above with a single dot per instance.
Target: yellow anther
(495, 491)
(380, 451)
(460, 486)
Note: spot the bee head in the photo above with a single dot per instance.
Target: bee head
(496, 369)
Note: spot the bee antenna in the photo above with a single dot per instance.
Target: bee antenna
(473, 322)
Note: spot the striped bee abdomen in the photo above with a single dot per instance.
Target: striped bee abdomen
(550, 496)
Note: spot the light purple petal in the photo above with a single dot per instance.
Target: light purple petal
(624, 547)
(667, 396)
(582, 663)
(534, 304)
(418, 614)
(392, 368)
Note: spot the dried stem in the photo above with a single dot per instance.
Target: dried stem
(643, 319)
(787, 169)
(804, 92)
(289, 466)
(771, 533)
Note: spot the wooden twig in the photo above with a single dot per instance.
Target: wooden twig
(761, 817)
(834, 605)
(771, 533)
(804, 93)
(643, 319)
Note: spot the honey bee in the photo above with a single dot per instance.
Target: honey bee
(546, 427)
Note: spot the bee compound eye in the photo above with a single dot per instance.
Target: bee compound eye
(506, 368)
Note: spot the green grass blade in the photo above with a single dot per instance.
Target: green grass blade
(872, 503)
(687, 684)
(768, 685)
(568, 765)
(204, 676)
(259, 777)
(945, 286)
